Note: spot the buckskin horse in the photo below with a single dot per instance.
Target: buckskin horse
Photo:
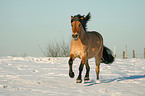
(85, 45)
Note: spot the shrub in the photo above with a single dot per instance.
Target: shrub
(56, 49)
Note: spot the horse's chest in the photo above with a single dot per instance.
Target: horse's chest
(77, 48)
(78, 51)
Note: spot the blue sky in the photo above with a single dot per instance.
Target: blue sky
(27, 24)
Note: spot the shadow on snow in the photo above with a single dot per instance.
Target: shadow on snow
(92, 82)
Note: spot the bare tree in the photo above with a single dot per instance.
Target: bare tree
(64, 49)
(56, 49)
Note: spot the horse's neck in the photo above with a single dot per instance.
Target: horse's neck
(82, 34)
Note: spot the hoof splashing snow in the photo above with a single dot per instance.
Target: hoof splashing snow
(98, 81)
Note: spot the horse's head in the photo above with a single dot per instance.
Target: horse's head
(78, 22)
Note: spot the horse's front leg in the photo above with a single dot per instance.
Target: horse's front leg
(79, 79)
(71, 73)
(87, 71)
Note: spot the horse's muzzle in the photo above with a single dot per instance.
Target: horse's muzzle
(75, 36)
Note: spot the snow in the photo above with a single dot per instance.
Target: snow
(42, 76)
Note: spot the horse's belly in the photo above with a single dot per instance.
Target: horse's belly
(92, 53)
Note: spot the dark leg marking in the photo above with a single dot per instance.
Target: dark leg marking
(87, 72)
(79, 79)
(71, 73)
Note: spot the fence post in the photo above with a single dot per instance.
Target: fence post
(144, 53)
(133, 54)
(114, 52)
(123, 54)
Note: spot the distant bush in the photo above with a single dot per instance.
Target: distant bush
(56, 49)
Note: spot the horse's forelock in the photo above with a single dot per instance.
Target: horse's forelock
(76, 18)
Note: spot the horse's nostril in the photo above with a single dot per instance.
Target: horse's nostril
(75, 36)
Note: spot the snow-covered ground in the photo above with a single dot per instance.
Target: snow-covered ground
(31, 76)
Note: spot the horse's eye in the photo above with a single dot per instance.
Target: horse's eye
(71, 25)
(79, 25)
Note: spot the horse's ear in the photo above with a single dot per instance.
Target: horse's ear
(82, 17)
(72, 17)
(88, 17)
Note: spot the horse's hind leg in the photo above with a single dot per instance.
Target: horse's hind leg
(87, 71)
(98, 61)
(71, 73)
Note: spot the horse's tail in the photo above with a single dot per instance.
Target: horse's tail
(107, 57)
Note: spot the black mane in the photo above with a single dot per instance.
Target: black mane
(83, 21)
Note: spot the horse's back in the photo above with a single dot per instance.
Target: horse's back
(94, 36)
(94, 33)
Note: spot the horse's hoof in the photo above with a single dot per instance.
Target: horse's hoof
(71, 74)
(79, 81)
(86, 79)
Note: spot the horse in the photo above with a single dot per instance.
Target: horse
(85, 45)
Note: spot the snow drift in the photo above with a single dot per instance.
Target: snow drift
(31, 76)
